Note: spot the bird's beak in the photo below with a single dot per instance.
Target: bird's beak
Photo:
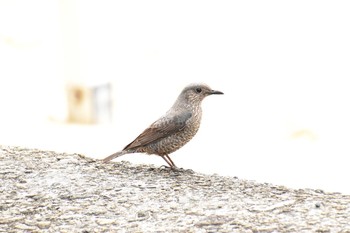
(213, 92)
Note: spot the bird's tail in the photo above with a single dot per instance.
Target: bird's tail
(115, 155)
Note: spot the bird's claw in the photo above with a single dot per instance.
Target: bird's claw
(173, 168)
(165, 167)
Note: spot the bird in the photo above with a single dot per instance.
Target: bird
(174, 129)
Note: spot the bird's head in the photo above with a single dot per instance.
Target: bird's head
(195, 93)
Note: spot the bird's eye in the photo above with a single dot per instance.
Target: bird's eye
(198, 90)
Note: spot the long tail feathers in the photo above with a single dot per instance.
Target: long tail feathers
(115, 155)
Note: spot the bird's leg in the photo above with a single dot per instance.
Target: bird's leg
(168, 161)
(173, 164)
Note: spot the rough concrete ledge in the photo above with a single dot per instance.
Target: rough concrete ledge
(44, 191)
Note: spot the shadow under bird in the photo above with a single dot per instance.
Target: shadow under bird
(174, 129)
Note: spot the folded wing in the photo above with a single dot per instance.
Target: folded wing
(160, 129)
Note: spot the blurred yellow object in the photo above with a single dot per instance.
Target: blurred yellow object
(304, 133)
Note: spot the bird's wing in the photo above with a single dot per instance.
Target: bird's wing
(161, 128)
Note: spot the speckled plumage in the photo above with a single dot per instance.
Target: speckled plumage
(173, 130)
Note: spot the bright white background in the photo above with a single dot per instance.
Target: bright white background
(284, 67)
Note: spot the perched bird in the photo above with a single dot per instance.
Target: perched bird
(173, 130)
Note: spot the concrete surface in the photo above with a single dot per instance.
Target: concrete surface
(44, 191)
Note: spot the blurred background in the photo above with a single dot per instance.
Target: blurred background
(89, 76)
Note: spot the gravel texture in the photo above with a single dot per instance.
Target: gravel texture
(44, 191)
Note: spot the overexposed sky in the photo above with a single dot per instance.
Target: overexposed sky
(283, 66)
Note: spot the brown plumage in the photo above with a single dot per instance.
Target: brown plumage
(173, 130)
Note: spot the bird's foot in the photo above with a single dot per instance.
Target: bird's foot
(177, 169)
(173, 168)
(165, 167)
